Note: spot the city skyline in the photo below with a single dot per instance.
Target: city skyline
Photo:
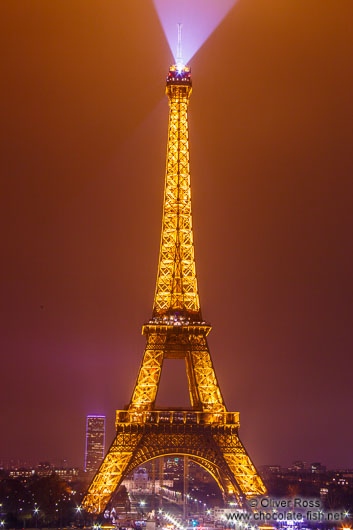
(271, 167)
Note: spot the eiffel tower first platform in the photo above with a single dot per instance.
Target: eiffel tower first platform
(207, 432)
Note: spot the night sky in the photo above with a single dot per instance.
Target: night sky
(83, 141)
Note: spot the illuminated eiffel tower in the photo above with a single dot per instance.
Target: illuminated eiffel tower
(207, 432)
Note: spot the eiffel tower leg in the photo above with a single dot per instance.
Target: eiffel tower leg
(240, 464)
(223, 481)
(201, 373)
(111, 472)
(145, 391)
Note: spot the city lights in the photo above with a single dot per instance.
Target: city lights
(174, 521)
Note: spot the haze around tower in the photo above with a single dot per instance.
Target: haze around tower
(199, 19)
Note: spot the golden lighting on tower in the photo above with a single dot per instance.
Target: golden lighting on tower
(206, 432)
(176, 282)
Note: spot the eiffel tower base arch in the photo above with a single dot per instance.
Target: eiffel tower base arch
(217, 448)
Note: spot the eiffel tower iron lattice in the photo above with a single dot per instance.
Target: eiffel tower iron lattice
(207, 432)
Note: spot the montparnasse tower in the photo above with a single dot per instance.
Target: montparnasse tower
(206, 432)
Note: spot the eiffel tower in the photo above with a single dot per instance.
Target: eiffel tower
(207, 433)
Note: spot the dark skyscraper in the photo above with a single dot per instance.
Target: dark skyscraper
(95, 440)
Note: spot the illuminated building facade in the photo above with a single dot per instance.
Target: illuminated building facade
(68, 474)
(95, 442)
(207, 433)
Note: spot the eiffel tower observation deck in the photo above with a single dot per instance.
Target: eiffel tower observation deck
(207, 433)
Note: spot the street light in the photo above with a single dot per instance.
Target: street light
(78, 512)
(36, 512)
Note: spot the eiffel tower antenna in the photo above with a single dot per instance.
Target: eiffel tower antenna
(179, 58)
(207, 433)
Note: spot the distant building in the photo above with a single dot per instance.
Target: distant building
(298, 467)
(317, 467)
(95, 441)
(68, 474)
(44, 469)
(271, 469)
(323, 493)
(140, 478)
(174, 468)
(22, 473)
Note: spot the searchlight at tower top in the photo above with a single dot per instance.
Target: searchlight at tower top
(179, 74)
